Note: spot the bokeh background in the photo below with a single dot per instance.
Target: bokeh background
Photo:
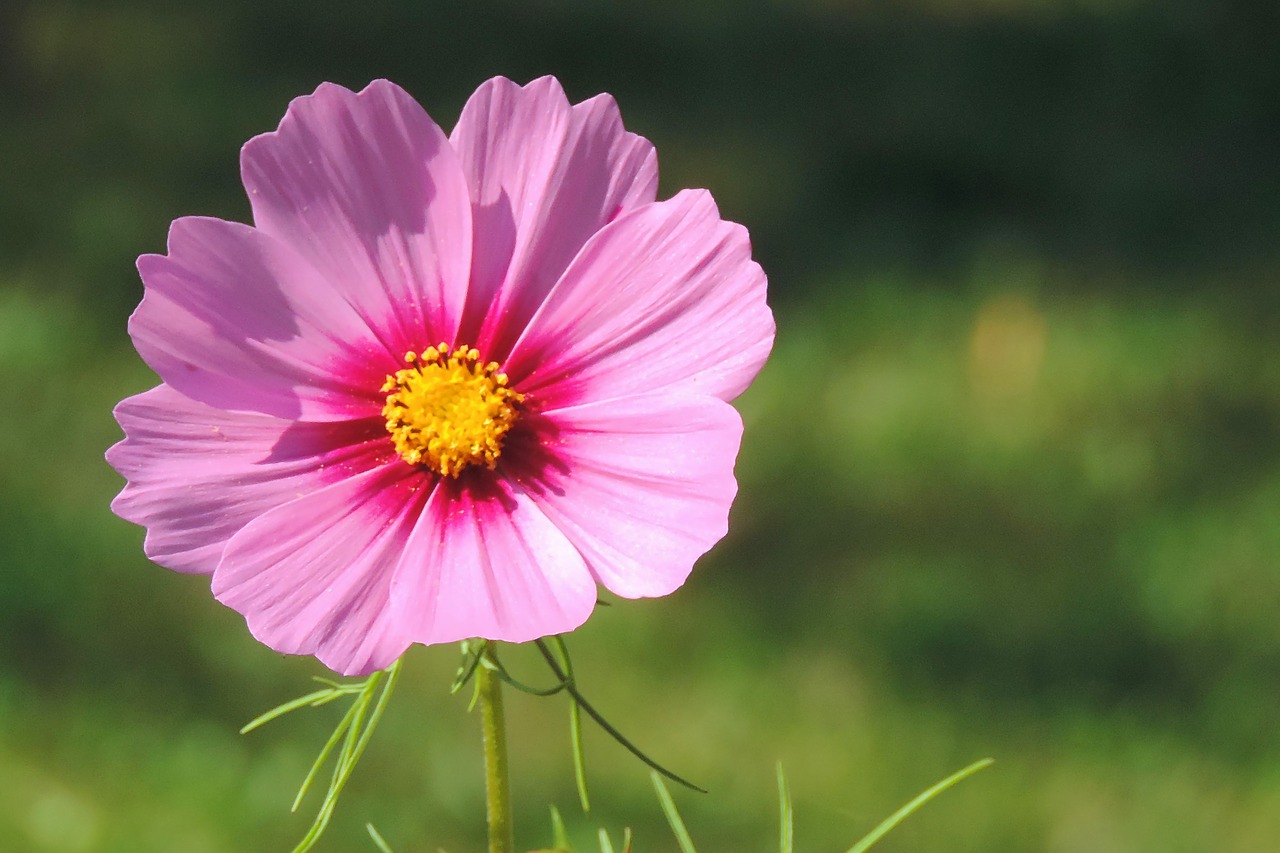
(1010, 484)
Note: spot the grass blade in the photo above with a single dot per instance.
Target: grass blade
(786, 822)
(897, 817)
(559, 835)
(673, 816)
(378, 840)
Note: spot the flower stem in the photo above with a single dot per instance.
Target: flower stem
(497, 787)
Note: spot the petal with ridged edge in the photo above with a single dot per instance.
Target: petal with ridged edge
(544, 177)
(236, 319)
(665, 298)
(313, 576)
(484, 561)
(197, 475)
(641, 486)
(367, 186)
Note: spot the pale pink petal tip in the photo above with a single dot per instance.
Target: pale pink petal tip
(645, 487)
(198, 474)
(664, 299)
(313, 576)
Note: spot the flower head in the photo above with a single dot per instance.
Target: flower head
(444, 386)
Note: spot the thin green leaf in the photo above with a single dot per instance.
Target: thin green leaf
(470, 660)
(361, 730)
(606, 846)
(559, 835)
(563, 649)
(318, 826)
(786, 821)
(361, 707)
(378, 840)
(626, 839)
(575, 726)
(393, 672)
(319, 696)
(354, 731)
(897, 817)
(506, 678)
(325, 812)
(503, 673)
(338, 734)
(605, 724)
(579, 756)
(673, 816)
(475, 695)
(330, 802)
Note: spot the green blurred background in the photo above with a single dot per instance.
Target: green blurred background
(1010, 484)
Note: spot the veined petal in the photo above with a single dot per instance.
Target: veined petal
(313, 576)
(235, 319)
(641, 486)
(484, 561)
(610, 331)
(665, 298)
(368, 187)
(197, 475)
(544, 177)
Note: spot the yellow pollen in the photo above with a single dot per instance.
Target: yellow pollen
(447, 410)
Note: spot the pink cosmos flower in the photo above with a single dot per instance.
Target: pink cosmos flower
(444, 386)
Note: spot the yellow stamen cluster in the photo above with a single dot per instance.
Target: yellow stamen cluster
(448, 410)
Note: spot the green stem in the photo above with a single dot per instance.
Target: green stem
(497, 787)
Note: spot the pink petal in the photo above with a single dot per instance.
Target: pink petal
(367, 187)
(485, 562)
(313, 576)
(663, 298)
(544, 177)
(642, 486)
(235, 319)
(197, 475)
